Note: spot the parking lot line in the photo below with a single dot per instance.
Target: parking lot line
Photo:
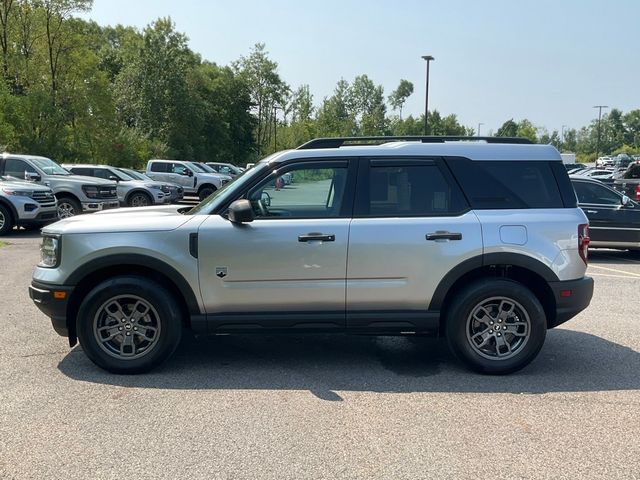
(608, 275)
(632, 274)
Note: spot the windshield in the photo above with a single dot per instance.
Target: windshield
(195, 167)
(204, 207)
(49, 167)
(135, 175)
(206, 168)
(121, 175)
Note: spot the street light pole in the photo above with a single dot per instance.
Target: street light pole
(562, 133)
(479, 125)
(599, 107)
(428, 59)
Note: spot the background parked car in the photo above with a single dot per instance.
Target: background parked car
(629, 182)
(131, 192)
(176, 192)
(192, 177)
(75, 194)
(605, 176)
(25, 204)
(225, 168)
(614, 219)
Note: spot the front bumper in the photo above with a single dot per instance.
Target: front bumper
(571, 297)
(52, 300)
(99, 206)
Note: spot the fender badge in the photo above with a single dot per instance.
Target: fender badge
(221, 272)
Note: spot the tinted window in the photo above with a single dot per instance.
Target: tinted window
(596, 194)
(160, 167)
(102, 173)
(82, 171)
(503, 184)
(410, 191)
(17, 168)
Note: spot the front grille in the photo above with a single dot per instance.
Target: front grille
(108, 192)
(42, 197)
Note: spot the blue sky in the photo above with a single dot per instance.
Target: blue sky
(548, 61)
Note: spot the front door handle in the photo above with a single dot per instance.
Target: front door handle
(592, 211)
(316, 237)
(441, 235)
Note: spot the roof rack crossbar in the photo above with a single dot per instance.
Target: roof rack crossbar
(337, 142)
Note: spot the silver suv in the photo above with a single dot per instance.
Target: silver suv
(131, 191)
(76, 194)
(25, 205)
(476, 240)
(194, 178)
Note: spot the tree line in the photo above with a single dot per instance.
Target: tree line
(76, 91)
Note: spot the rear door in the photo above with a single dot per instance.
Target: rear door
(411, 227)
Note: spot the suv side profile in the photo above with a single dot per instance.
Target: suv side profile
(75, 194)
(131, 192)
(477, 240)
(26, 205)
(192, 177)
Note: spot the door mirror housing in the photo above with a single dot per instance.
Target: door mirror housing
(114, 178)
(241, 211)
(625, 201)
(32, 177)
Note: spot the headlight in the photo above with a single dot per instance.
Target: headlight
(154, 187)
(90, 191)
(19, 193)
(49, 251)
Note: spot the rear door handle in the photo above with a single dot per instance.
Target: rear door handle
(592, 211)
(444, 236)
(316, 237)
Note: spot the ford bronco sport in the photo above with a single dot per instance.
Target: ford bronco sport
(478, 240)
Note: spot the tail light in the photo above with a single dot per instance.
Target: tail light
(637, 192)
(583, 241)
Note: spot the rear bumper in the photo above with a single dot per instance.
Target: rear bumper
(52, 305)
(571, 297)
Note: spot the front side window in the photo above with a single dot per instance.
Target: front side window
(178, 168)
(595, 194)
(317, 193)
(410, 191)
(18, 168)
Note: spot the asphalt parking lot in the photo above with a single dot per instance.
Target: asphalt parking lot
(322, 407)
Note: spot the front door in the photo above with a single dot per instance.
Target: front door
(287, 268)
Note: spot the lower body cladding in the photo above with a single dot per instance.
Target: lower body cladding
(99, 206)
(570, 298)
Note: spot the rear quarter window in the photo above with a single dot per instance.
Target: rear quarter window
(504, 184)
(159, 167)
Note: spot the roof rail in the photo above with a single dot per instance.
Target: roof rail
(337, 142)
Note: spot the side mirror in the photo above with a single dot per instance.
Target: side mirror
(241, 211)
(114, 178)
(190, 173)
(32, 177)
(265, 198)
(625, 200)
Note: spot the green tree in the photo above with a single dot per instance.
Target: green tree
(399, 96)
(508, 129)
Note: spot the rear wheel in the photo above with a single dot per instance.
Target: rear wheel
(496, 326)
(129, 324)
(6, 220)
(139, 199)
(68, 207)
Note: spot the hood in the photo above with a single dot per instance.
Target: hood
(81, 179)
(22, 185)
(122, 220)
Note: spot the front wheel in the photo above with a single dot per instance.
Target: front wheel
(204, 192)
(129, 324)
(139, 199)
(496, 326)
(68, 207)
(6, 220)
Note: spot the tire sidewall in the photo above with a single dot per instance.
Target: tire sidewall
(461, 308)
(77, 208)
(205, 192)
(169, 316)
(8, 220)
(140, 194)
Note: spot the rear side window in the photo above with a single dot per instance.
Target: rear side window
(160, 167)
(82, 171)
(504, 184)
(410, 191)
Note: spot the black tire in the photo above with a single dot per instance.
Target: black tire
(480, 344)
(68, 207)
(205, 191)
(97, 317)
(6, 220)
(139, 199)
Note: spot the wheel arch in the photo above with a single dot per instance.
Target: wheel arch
(67, 194)
(86, 277)
(138, 190)
(523, 269)
(205, 185)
